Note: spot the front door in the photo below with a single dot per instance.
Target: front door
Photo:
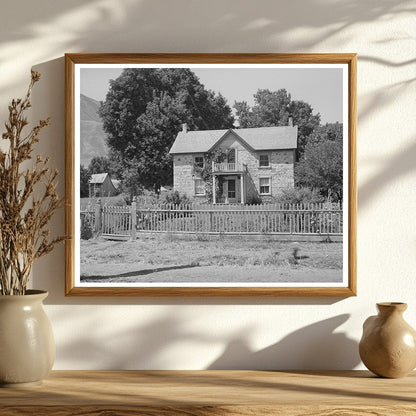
(231, 191)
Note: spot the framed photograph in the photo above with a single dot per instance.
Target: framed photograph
(211, 174)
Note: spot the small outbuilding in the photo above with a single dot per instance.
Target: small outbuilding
(101, 185)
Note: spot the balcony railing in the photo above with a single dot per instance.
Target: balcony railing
(227, 167)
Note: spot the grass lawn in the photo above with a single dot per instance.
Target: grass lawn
(165, 258)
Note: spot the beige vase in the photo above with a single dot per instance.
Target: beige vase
(388, 344)
(27, 347)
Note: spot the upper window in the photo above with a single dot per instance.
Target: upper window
(265, 186)
(231, 156)
(199, 161)
(264, 161)
(199, 187)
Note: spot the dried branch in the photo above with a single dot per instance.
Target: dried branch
(23, 218)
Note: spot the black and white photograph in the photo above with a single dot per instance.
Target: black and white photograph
(211, 175)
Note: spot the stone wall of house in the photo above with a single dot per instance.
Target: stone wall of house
(183, 182)
(280, 172)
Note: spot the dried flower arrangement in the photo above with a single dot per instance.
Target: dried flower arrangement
(28, 199)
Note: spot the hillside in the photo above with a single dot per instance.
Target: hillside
(91, 131)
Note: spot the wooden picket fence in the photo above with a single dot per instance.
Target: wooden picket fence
(238, 220)
(128, 221)
(117, 220)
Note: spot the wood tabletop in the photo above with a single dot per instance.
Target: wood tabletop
(202, 393)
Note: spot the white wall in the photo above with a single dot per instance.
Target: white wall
(198, 333)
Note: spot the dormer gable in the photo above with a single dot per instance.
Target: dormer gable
(229, 140)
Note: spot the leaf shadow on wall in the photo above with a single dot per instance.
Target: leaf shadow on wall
(143, 345)
(313, 347)
(152, 344)
(393, 169)
(216, 26)
(402, 163)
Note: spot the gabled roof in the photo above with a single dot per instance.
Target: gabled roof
(261, 138)
(227, 134)
(98, 177)
(116, 183)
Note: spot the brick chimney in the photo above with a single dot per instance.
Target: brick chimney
(184, 127)
(290, 121)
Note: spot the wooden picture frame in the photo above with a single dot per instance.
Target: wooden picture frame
(139, 226)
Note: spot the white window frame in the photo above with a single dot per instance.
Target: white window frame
(202, 185)
(268, 159)
(270, 185)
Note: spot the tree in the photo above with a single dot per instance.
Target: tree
(330, 131)
(100, 164)
(85, 177)
(273, 108)
(244, 115)
(142, 114)
(322, 164)
(306, 121)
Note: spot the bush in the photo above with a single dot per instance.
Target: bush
(301, 195)
(119, 200)
(174, 197)
(86, 227)
(254, 200)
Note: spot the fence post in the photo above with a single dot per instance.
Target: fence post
(133, 218)
(98, 218)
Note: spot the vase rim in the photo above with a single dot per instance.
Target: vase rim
(30, 293)
(401, 306)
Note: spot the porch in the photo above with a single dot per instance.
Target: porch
(233, 187)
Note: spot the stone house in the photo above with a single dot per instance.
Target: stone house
(101, 185)
(259, 162)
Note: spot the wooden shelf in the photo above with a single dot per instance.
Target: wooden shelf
(202, 393)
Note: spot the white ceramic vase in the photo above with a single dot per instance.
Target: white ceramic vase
(27, 347)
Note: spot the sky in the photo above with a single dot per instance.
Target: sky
(320, 87)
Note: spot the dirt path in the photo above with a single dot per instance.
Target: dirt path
(135, 273)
